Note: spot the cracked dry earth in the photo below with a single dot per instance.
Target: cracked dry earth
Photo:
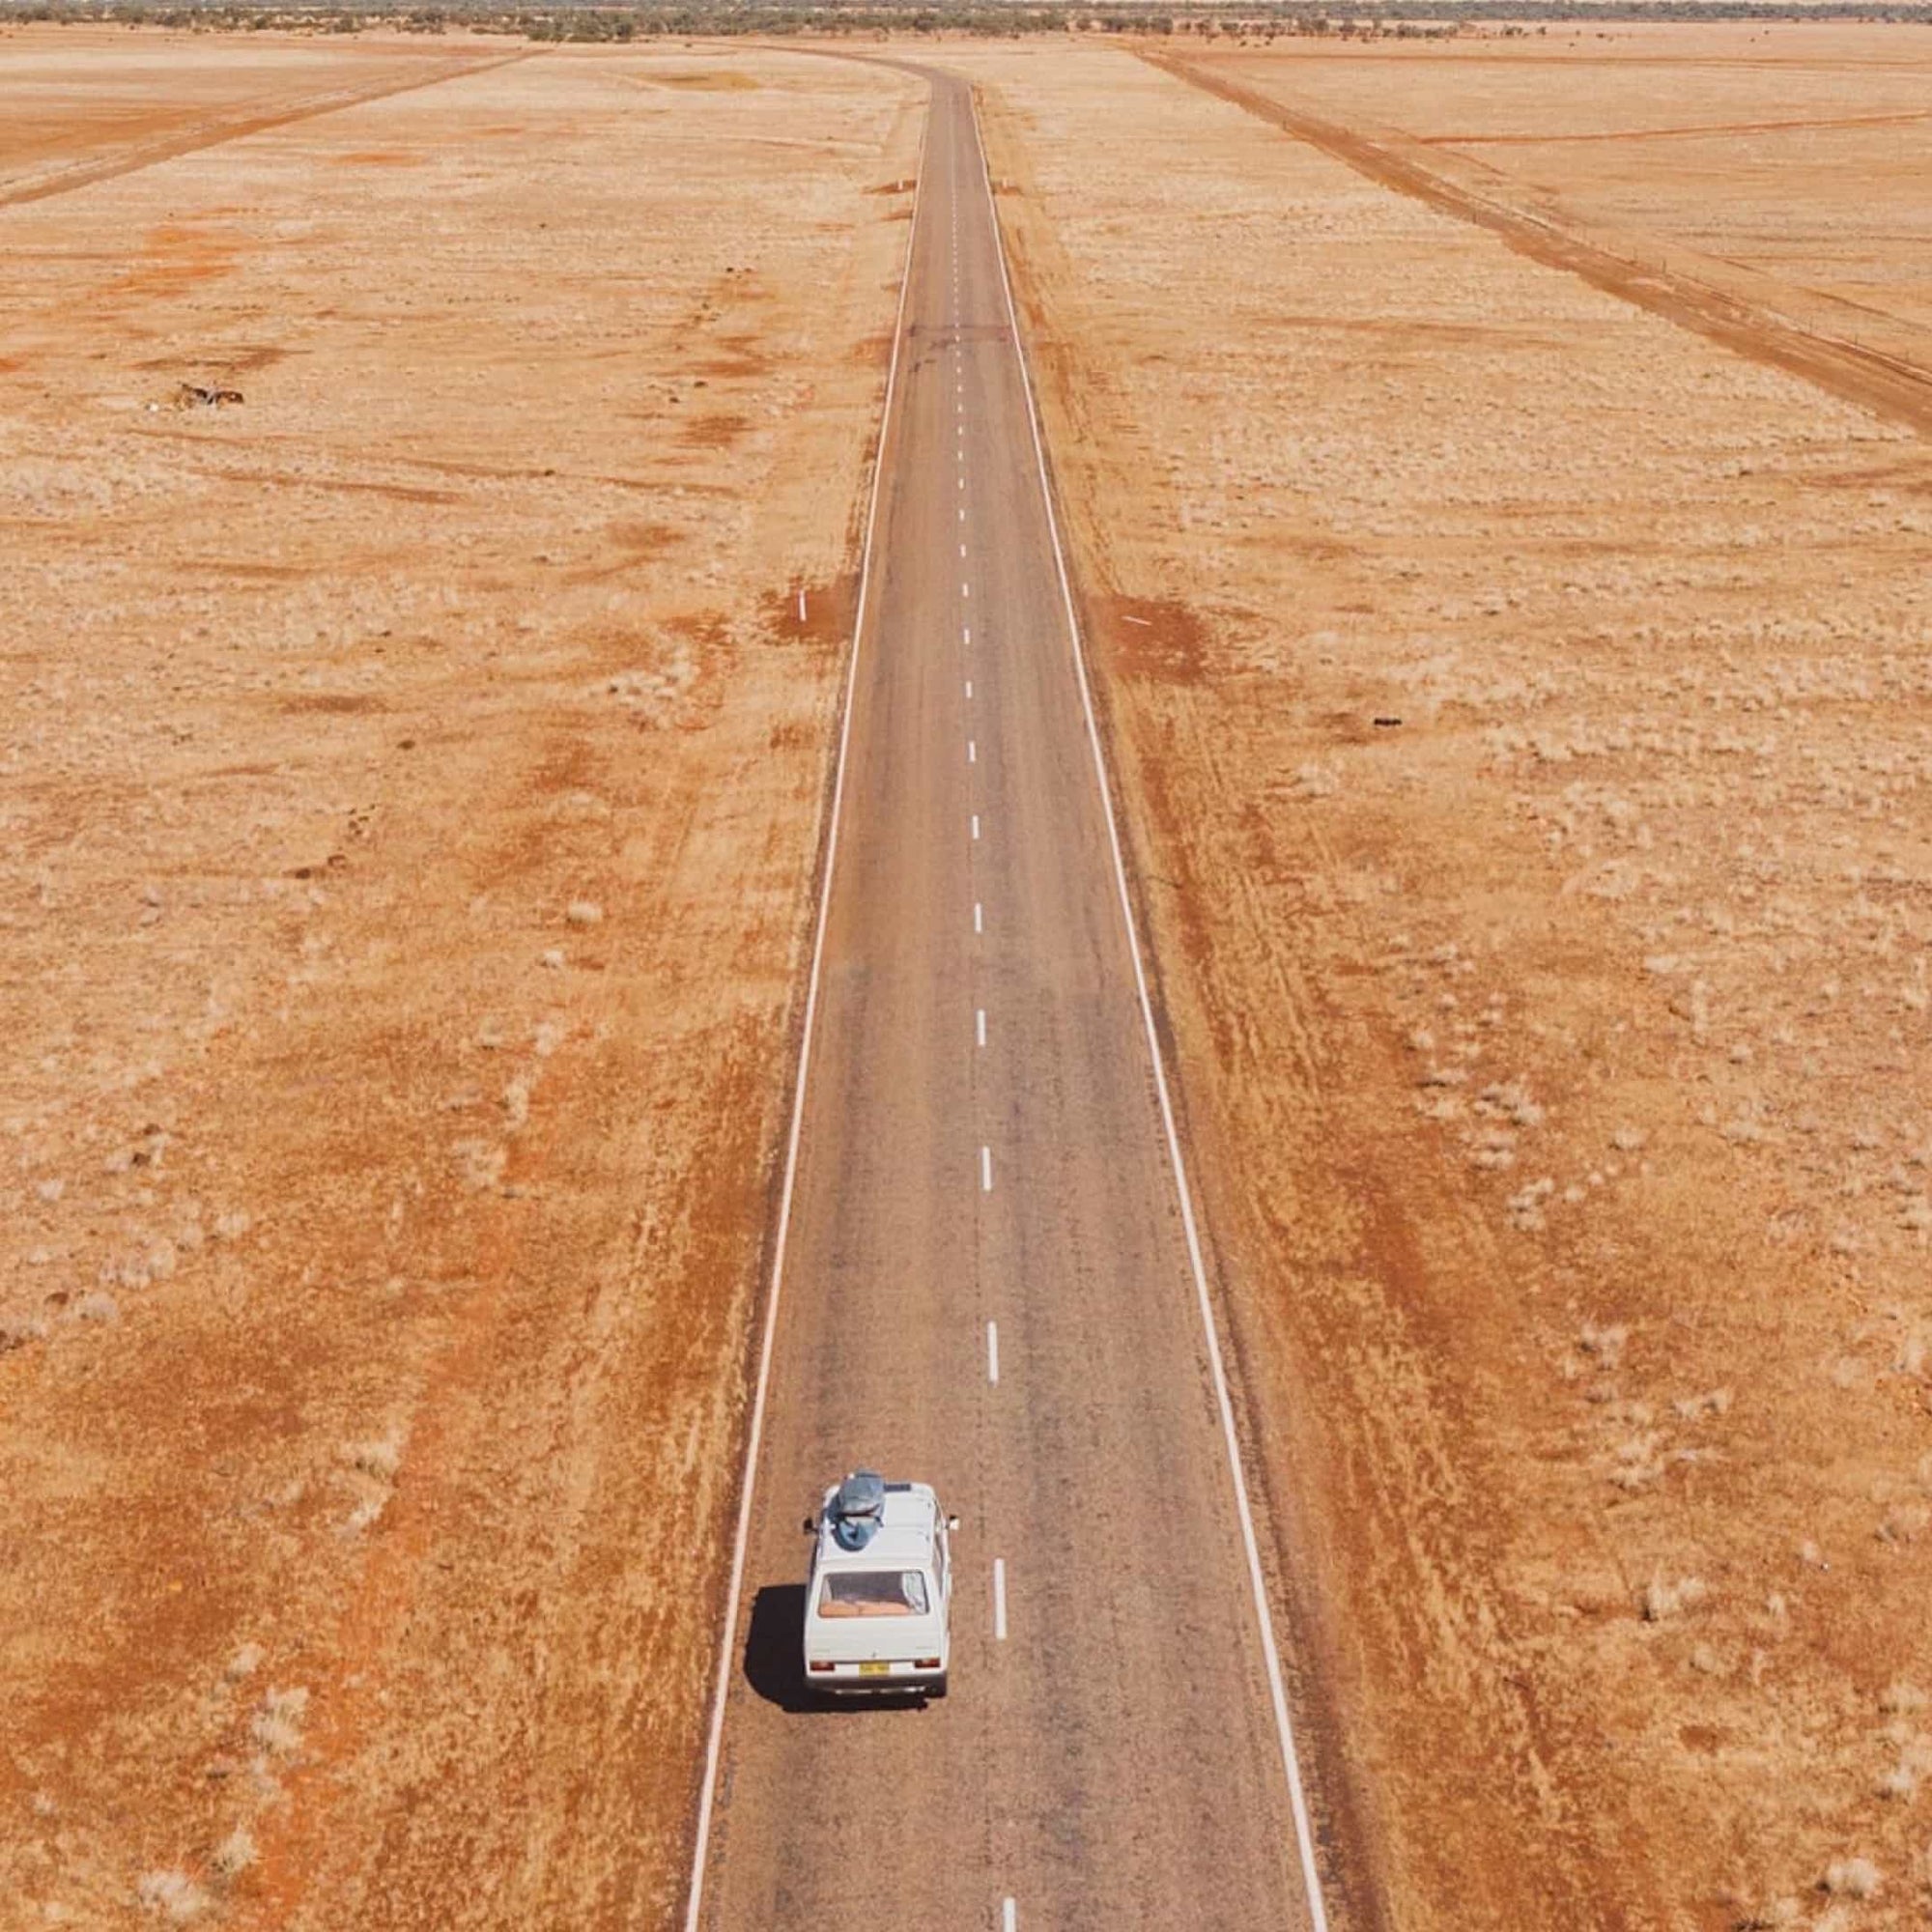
(410, 784)
(1525, 723)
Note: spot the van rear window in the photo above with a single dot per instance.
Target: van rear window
(873, 1593)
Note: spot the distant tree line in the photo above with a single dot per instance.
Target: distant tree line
(595, 21)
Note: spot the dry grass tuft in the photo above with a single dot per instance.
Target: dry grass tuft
(171, 1895)
(18, 1330)
(245, 1663)
(1607, 1343)
(1638, 1460)
(1900, 1698)
(481, 1163)
(235, 1853)
(1662, 1600)
(1525, 1207)
(366, 1514)
(381, 1459)
(1771, 1917)
(1852, 1878)
(584, 912)
(278, 1726)
(1696, 1407)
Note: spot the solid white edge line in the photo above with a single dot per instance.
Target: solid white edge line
(1000, 1599)
(1304, 1836)
(754, 1434)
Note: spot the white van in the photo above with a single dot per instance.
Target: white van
(878, 1598)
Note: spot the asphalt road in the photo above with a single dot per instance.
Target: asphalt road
(981, 1144)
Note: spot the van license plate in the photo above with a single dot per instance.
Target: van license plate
(874, 1669)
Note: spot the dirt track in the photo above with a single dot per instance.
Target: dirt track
(1743, 317)
(75, 145)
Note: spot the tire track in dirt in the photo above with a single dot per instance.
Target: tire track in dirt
(235, 128)
(1891, 385)
(1690, 134)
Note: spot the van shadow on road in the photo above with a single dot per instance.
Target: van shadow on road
(774, 1660)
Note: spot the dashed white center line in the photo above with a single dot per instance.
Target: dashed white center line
(969, 687)
(965, 590)
(979, 1025)
(962, 513)
(1000, 1597)
(962, 552)
(976, 825)
(985, 1170)
(979, 918)
(972, 751)
(1009, 1915)
(965, 634)
(993, 1353)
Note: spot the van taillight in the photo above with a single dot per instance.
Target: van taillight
(926, 1664)
(815, 1665)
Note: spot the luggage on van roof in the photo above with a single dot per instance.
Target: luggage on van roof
(857, 1508)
